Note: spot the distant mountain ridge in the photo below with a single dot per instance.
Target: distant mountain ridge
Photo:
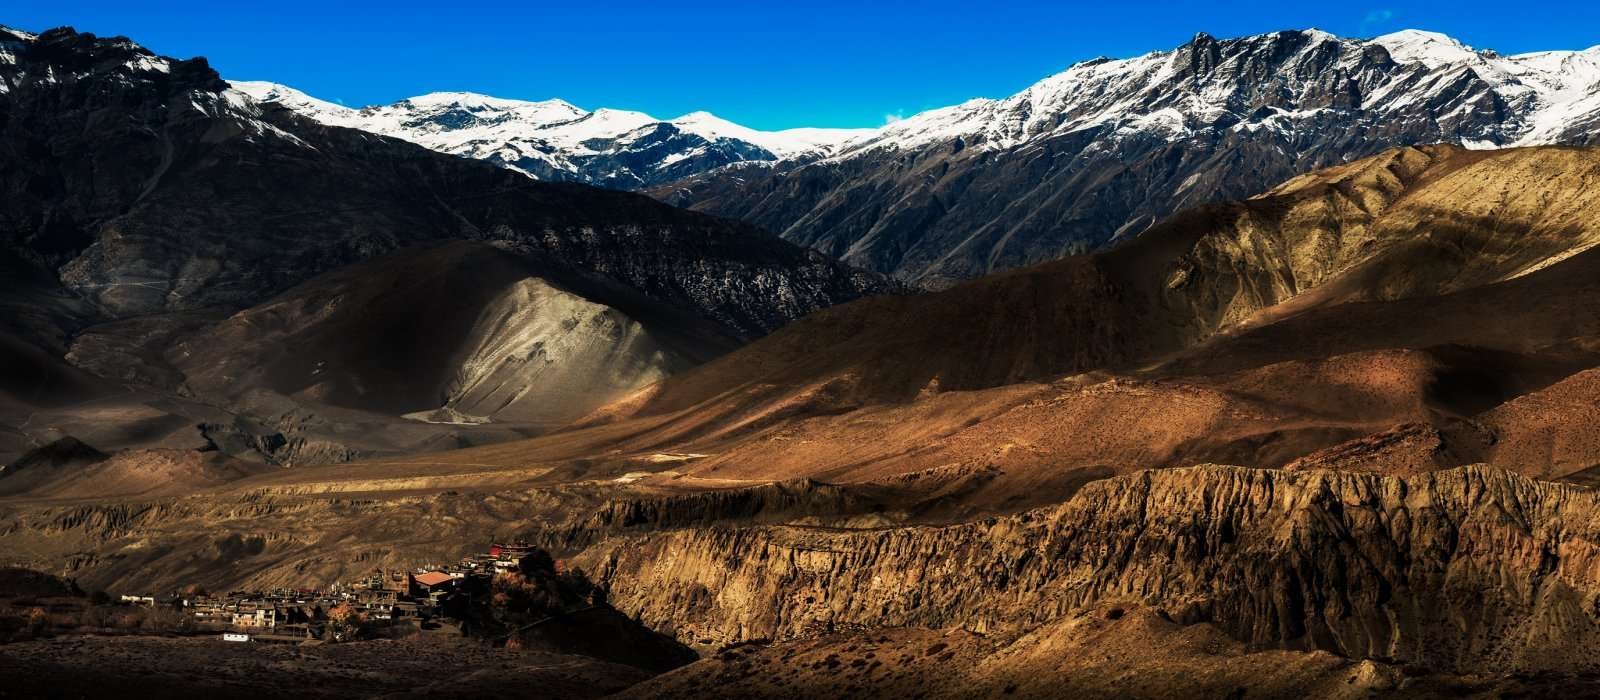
(1085, 157)
(1105, 149)
(555, 140)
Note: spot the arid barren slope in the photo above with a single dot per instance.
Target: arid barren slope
(1370, 316)
(942, 462)
(1410, 223)
(480, 330)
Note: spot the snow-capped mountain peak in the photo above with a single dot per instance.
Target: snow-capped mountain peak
(321, 110)
(785, 143)
(1281, 102)
(1431, 49)
(556, 140)
(480, 102)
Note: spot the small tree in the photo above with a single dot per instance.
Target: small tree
(344, 623)
(536, 564)
(38, 620)
(94, 616)
(167, 620)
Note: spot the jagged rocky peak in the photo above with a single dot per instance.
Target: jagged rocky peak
(64, 54)
(1177, 92)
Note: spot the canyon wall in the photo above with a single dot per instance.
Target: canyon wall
(1466, 568)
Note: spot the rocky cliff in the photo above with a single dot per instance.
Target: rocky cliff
(1462, 569)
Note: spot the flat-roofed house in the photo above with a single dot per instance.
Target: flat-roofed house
(431, 583)
(257, 616)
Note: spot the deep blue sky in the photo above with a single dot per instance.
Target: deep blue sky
(765, 64)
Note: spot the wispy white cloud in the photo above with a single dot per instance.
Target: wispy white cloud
(893, 117)
(1377, 18)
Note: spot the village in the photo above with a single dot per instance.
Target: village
(383, 599)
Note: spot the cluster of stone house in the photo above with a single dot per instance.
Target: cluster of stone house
(260, 612)
(436, 582)
(381, 596)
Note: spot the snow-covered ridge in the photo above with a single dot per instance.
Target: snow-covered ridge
(1158, 92)
(1168, 95)
(26, 36)
(553, 139)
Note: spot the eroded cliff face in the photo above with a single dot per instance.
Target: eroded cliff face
(1470, 569)
(1467, 568)
(318, 534)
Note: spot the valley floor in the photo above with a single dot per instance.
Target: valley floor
(1107, 652)
(190, 667)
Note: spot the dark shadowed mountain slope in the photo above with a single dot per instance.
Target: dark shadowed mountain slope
(153, 187)
(147, 207)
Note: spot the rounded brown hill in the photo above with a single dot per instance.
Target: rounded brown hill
(1410, 223)
(477, 330)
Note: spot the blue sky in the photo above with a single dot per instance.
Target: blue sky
(765, 64)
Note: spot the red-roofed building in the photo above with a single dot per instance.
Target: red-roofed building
(431, 583)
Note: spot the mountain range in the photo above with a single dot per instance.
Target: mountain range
(1289, 391)
(1080, 160)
